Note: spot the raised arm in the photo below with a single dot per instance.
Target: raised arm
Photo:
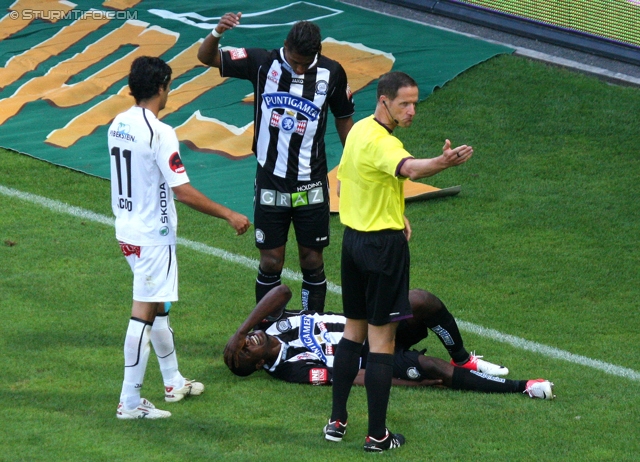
(209, 52)
(271, 304)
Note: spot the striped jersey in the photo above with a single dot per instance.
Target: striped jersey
(290, 110)
(145, 165)
(309, 340)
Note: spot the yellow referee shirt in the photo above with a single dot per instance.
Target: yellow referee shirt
(371, 195)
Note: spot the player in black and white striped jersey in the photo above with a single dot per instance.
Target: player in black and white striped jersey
(300, 347)
(295, 87)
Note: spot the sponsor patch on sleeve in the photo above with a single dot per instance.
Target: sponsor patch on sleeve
(318, 376)
(238, 53)
(175, 162)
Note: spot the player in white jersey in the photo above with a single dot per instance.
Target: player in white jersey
(295, 87)
(146, 170)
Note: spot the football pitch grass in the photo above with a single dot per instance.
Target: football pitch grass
(537, 257)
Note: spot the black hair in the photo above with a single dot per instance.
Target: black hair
(391, 82)
(146, 77)
(243, 370)
(304, 38)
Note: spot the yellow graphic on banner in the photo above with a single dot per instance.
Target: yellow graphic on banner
(213, 136)
(104, 112)
(23, 12)
(362, 64)
(152, 41)
(86, 123)
(69, 35)
(205, 134)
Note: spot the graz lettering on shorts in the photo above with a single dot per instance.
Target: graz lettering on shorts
(296, 199)
(284, 100)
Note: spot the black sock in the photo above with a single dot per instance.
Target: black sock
(445, 327)
(314, 289)
(346, 364)
(464, 379)
(265, 282)
(377, 381)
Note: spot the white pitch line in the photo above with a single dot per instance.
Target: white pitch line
(547, 350)
(492, 334)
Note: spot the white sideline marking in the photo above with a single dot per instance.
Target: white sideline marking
(547, 350)
(492, 334)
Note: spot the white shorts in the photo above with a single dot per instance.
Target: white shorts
(155, 272)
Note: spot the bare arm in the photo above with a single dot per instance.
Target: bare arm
(343, 126)
(271, 304)
(422, 168)
(208, 53)
(190, 196)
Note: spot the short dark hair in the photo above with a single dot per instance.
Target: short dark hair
(304, 38)
(242, 371)
(146, 76)
(391, 82)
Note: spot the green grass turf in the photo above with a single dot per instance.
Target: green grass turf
(541, 244)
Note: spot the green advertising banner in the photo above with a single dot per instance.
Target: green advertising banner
(64, 66)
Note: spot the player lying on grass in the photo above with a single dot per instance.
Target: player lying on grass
(300, 346)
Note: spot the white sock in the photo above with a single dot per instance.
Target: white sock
(137, 346)
(164, 346)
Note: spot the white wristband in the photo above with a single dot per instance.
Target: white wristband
(215, 33)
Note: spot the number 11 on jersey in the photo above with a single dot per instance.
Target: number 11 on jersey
(124, 202)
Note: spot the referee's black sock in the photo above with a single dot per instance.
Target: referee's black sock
(346, 364)
(377, 381)
(314, 289)
(464, 379)
(265, 282)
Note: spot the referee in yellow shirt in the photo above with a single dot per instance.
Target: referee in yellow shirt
(375, 251)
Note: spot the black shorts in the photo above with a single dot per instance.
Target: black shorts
(375, 276)
(278, 202)
(406, 365)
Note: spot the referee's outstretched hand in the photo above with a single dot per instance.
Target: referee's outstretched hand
(456, 156)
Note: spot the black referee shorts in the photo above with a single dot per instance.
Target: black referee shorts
(375, 276)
